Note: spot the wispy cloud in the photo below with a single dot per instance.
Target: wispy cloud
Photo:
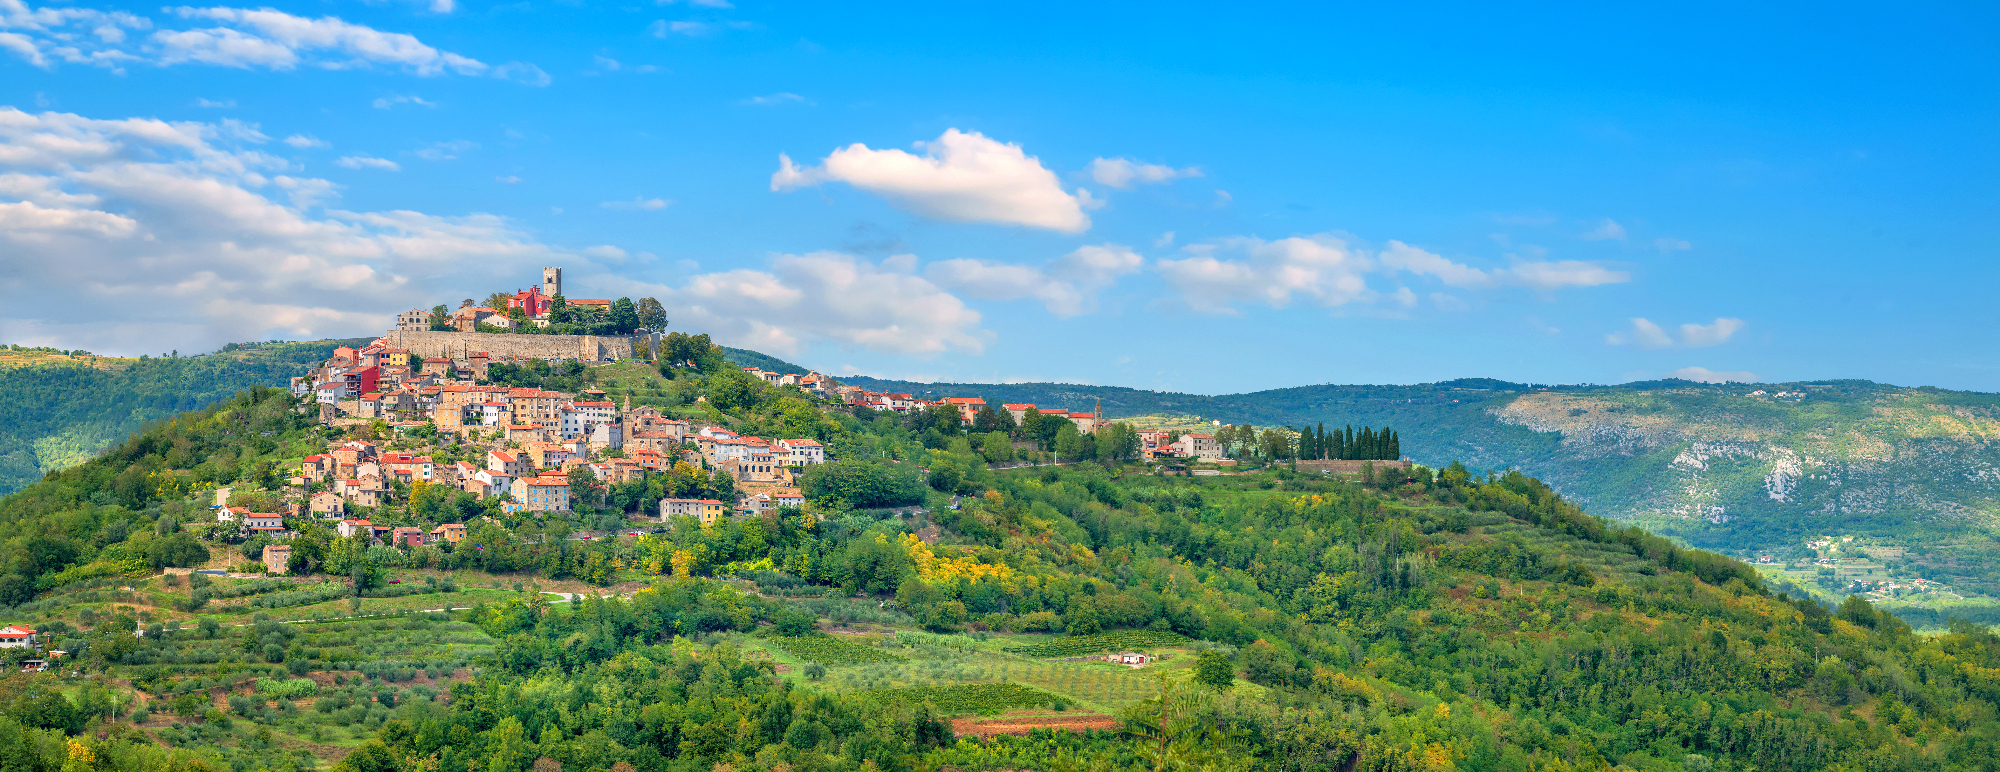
(1122, 173)
(509, 179)
(1705, 375)
(446, 151)
(1644, 333)
(215, 103)
(689, 28)
(640, 203)
(305, 141)
(780, 98)
(1606, 230)
(369, 162)
(384, 103)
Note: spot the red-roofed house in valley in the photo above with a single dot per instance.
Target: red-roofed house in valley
(450, 532)
(17, 637)
(438, 366)
(967, 406)
(1019, 412)
(406, 536)
(348, 528)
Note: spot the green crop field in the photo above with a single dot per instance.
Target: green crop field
(971, 698)
(1117, 640)
(828, 650)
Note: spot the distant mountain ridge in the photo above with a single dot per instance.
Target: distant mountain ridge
(1719, 465)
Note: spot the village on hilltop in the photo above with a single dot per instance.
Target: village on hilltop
(529, 447)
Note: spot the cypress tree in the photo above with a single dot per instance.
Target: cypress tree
(1347, 446)
(1395, 446)
(1367, 443)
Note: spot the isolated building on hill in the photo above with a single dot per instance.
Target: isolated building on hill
(17, 637)
(277, 558)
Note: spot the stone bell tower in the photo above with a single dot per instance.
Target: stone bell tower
(552, 281)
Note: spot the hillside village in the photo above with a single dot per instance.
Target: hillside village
(530, 449)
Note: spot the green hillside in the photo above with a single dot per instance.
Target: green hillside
(1716, 465)
(1427, 620)
(58, 411)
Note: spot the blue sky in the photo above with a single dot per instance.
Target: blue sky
(1190, 197)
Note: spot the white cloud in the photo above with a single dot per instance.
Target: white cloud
(961, 177)
(446, 151)
(278, 40)
(523, 73)
(1222, 198)
(1332, 271)
(141, 235)
(368, 162)
(1122, 173)
(219, 104)
(509, 179)
(780, 98)
(384, 103)
(1705, 375)
(244, 38)
(1067, 286)
(663, 27)
(1713, 334)
(304, 141)
(824, 297)
(1671, 245)
(1545, 276)
(1644, 334)
(639, 203)
(1608, 229)
(1165, 240)
(1322, 268)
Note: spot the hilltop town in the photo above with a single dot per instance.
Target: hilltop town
(401, 421)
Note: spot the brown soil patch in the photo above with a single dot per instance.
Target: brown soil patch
(1021, 724)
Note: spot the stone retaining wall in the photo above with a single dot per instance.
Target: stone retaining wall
(502, 347)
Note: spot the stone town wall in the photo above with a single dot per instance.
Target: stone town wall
(503, 347)
(1342, 466)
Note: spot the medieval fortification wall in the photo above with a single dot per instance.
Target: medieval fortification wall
(505, 346)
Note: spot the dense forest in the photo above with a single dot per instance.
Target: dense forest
(56, 415)
(1427, 619)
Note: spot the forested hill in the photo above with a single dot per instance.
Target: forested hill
(1417, 620)
(57, 411)
(1716, 464)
